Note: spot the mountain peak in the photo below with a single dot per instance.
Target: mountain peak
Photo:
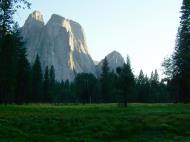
(114, 59)
(114, 53)
(57, 18)
(37, 15)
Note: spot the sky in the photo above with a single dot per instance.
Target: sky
(143, 29)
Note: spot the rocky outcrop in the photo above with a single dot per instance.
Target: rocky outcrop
(114, 59)
(31, 32)
(61, 43)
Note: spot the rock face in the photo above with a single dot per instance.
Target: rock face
(61, 43)
(31, 32)
(114, 60)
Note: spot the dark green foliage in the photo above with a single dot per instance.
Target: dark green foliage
(37, 84)
(168, 68)
(15, 69)
(107, 83)
(85, 87)
(104, 79)
(127, 82)
(46, 86)
(14, 73)
(177, 67)
(8, 70)
(154, 82)
(182, 54)
(6, 17)
(152, 90)
(23, 74)
(52, 84)
(52, 76)
(142, 86)
(113, 90)
(7, 9)
(64, 92)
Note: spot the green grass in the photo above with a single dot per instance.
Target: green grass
(95, 123)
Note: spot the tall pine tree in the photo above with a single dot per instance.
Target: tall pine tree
(140, 85)
(37, 83)
(52, 76)
(46, 86)
(181, 57)
(23, 73)
(127, 81)
(8, 64)
(10, 52)
(105, 84)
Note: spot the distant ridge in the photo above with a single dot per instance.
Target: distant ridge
(114, 59)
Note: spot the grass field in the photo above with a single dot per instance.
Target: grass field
(95, 123)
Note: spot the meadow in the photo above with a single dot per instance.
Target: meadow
(95, 123)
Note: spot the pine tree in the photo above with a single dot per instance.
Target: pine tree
(23, 71)
(127, 81)
(140, 79)
(154, 84)
(141, 87)
(46, 86)
(6, 17)
(36, 95)
(7, 10)
(156, 76)
(52, 83)
(85, 87)
(9, 48)
(8, 70)
(52, 76)
(181, 57)
(105, 84)
(147, 88)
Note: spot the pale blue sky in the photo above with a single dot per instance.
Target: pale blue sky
(143, 29)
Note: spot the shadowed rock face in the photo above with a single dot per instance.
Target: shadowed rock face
(61, 43)
(114, 60)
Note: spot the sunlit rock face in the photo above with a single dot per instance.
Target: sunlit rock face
(114, 59)
(61, 43)
(31, 32)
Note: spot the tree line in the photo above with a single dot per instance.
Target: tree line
(30, 85)
(21, 82)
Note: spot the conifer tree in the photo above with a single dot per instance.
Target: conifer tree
(52, 83)
(9, 47)
(46, 86)
(181, 56)
(23, 80)
(105, 84)
(8, 70)
(127, 81)
(37, 81)
(85, 87)
(7, 10)
(52, 76)
(141, 87)
(154, 84)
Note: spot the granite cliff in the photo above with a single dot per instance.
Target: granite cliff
(60, 42)
(114, 59)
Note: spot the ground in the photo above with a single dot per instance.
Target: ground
(95, 123)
